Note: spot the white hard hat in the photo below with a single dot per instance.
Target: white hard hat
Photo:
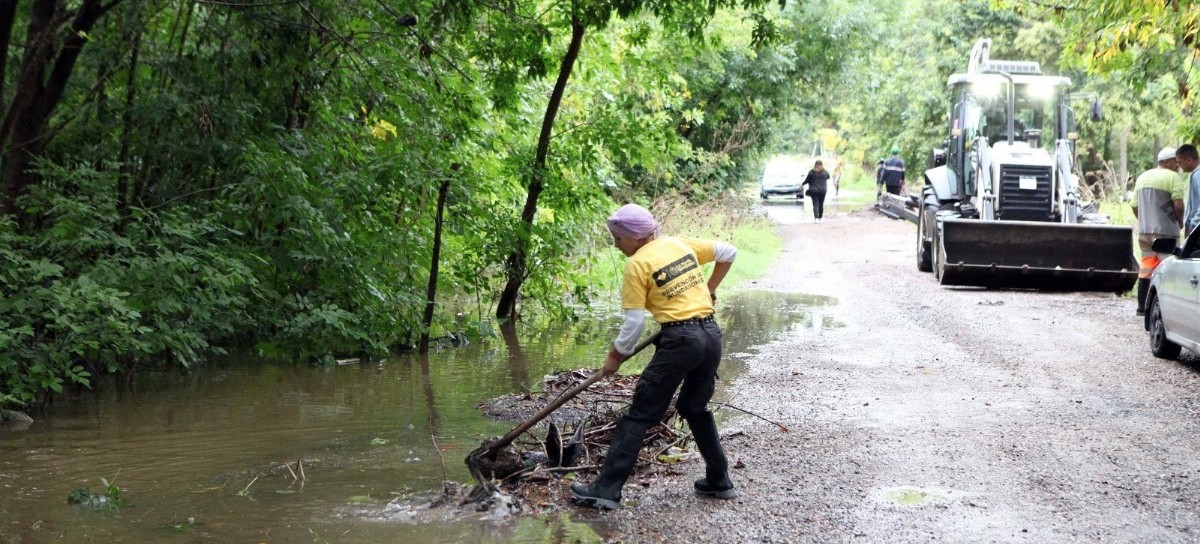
(1166, 154)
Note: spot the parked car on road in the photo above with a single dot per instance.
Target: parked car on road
(1173, 302)
(781, 177)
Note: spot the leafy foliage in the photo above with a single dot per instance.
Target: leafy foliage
(1140, 57)
(217, 177)
(108, 499)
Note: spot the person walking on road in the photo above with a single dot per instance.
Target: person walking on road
(838, 170)
(817, 181)
(878, 179)
(1189, 162)
(1158, 205)
(893, 172)
(663, 275)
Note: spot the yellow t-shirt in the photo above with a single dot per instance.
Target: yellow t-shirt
(664, 277)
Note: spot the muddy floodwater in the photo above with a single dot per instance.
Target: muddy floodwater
(235, 452)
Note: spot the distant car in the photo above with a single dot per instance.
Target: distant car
(781, 178)
(1173, 302)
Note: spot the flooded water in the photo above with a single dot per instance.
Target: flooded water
(217, 455)
(788, 211)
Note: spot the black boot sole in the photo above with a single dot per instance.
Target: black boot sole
(596, 502)
(724, 495)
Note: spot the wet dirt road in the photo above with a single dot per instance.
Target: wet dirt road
(941, 414)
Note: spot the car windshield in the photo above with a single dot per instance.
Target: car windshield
(782, 172)
(1191, 247)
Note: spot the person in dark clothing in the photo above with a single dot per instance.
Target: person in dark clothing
(878, 179)
(893, 172)
(818, 183)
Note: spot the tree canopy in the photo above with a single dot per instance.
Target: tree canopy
(318, 178)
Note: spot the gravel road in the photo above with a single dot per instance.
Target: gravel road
(940, 414)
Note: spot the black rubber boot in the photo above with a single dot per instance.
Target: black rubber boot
(605, 492)
(716, 482)
(1143, 289)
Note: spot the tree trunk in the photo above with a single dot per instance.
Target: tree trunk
(46, 66)
(516, 263)
(431, 288)
(1123, 162)
(8, 13)
(127, 171)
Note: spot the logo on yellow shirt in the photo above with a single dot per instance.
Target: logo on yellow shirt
(675, 269)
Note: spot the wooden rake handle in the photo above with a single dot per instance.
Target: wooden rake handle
(556, 403)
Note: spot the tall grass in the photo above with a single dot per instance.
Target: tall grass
(733, 219)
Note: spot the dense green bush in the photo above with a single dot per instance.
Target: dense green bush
(90, 294)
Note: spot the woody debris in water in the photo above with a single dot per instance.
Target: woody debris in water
(537, 469)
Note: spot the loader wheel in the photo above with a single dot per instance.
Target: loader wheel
(924, 244)
(1159, 345)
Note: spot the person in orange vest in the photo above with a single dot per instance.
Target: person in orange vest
(1158, 205)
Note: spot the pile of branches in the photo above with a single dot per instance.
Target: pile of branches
(605, 397)
(537, 469)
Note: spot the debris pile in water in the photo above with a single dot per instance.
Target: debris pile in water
(572, 441)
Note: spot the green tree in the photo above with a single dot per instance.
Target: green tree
(55, 36)
(686, 17)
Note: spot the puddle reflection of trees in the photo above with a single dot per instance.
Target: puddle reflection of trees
(754, 317)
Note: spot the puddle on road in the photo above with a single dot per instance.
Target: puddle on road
(754, 318)
(916, 496)
(792, 211)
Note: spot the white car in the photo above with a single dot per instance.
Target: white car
(1173, 302)
(781, 178)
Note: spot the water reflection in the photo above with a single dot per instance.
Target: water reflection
(753, 318)
(516, 355)
(430, 398)
(795, 211)
(204, 457)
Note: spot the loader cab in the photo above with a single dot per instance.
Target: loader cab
(980, 116)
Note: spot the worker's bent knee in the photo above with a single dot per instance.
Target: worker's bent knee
(688, 410)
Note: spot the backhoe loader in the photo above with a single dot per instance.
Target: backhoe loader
(1000, 207)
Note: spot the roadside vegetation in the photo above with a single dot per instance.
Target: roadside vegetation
(734, 219)
(314, 180)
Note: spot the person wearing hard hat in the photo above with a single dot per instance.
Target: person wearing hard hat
(893, 172)
(1158, 206)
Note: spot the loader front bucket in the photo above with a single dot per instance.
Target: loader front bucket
(1034, 255)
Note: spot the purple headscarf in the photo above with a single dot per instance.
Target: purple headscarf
(632, 221)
